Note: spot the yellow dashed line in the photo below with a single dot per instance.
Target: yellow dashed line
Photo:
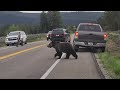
(16, 53)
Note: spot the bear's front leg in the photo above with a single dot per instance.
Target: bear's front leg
(56, 55)
(60, 54)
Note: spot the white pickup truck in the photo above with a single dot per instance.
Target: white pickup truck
(12, 38)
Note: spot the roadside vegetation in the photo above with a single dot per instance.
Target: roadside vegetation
(48, 21)
(111, 58)
(36, 37)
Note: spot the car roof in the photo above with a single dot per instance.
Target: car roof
(16, 31)
(88, 24)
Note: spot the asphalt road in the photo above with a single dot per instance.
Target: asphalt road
(36, 61)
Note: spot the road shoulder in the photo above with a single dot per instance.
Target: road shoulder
(105, 72)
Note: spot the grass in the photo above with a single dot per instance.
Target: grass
(37, 37)
(111, 64)
(2, 44)
(111, 58)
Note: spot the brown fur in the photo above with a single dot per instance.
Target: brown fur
(61, 47)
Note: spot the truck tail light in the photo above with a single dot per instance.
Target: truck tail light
(76, 34)
(105, 36)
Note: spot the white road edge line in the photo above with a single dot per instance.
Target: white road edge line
(52, 67)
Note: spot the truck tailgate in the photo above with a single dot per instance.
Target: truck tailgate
(87, 36)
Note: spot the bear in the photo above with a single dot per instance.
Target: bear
(62, 47)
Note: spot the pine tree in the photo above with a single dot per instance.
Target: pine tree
(54, 20)
(110, 20)
(43, 22)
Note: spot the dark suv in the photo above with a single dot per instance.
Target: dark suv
(60, 34)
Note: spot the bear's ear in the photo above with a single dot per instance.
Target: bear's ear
(52, 41)
(49, 45)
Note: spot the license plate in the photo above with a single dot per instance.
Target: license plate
(89, 43)
(57, 35)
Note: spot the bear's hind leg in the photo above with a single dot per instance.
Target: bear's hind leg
(67, 55)
(75, 55)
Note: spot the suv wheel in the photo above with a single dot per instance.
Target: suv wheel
(7, 44)
(22, 43)
(25, 42)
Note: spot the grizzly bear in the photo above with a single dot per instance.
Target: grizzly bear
(62, 47)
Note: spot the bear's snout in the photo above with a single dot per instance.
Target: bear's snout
(48, 46)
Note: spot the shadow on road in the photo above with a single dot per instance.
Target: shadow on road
(84, 50)
(92, 50)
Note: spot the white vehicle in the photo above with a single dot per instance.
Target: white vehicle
(12, 38)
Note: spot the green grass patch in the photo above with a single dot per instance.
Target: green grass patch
(2, 44)
(111, 64)
(37, 37)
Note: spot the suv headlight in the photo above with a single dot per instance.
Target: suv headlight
(6, 39)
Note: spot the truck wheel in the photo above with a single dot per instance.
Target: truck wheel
(99, 50)
(76, 48)
(103, 49)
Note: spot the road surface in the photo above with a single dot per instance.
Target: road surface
(36, 61)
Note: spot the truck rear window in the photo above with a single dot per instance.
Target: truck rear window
(95, 28)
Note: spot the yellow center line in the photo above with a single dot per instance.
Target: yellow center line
(22, 51)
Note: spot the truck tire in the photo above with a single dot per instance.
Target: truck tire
(75, 48)
(99, 50)
(103, 49)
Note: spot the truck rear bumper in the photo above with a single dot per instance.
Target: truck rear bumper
(11, 42)
(57, 39)
(82, 44)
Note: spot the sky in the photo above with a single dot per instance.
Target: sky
(61, 11)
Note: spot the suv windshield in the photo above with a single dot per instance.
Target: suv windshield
(49, 32)
(95, 28)
(13, 33)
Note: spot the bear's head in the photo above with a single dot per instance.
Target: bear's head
(52, 44)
